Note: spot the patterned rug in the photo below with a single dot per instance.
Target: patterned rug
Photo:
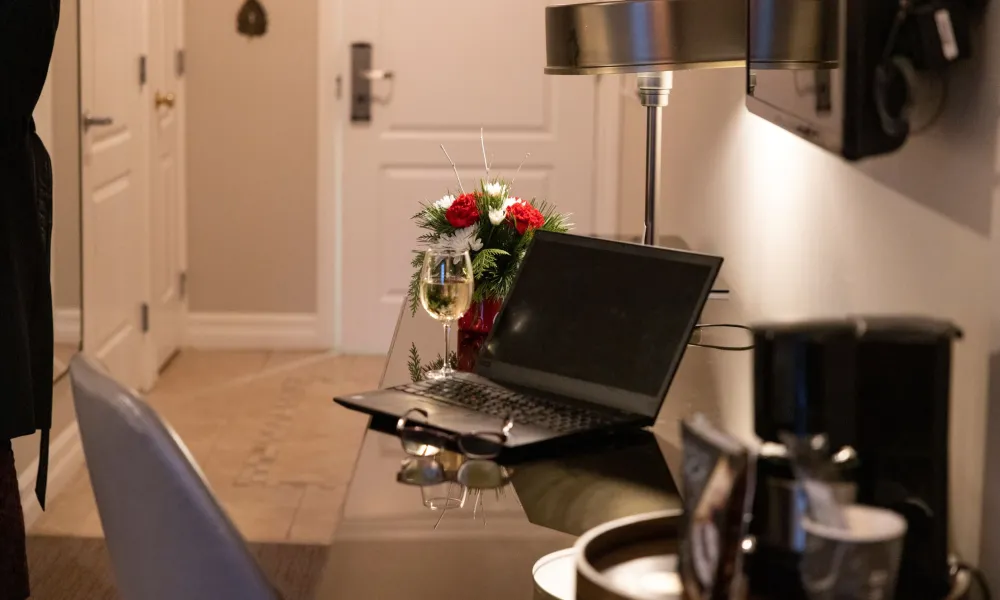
(73, 568)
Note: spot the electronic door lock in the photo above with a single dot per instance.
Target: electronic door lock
(362, 76)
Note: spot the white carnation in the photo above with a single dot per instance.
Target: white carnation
(445, 202)
(461, 240)
(497, 215)
(494, 189)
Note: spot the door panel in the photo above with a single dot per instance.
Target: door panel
(113, 185)
(447, 83)
(166, 306)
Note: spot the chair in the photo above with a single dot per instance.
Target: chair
(167, 535)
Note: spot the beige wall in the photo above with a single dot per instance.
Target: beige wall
(65, 151)
(251, 159)
(991, 493)
(805, 234)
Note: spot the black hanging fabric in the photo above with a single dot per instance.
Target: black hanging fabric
(252, 19)
(27, 36)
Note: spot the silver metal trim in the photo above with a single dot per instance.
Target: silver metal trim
(631, 36)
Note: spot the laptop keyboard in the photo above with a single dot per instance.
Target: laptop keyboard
(523, 408)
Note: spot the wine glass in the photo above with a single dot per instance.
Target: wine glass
(446, 286)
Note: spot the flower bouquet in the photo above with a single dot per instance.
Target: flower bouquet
(496, 228)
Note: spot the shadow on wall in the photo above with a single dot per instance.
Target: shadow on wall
(990, 552)
(962, 167)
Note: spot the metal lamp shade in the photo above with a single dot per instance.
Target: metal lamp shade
(633, 36)
(636, 36)
(794, 34)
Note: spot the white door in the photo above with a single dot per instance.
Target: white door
(113, 155)
(457, 65)
(166, 307)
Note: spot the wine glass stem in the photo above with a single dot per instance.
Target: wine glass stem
(446, 367)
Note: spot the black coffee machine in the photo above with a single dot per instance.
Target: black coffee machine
(879, 389)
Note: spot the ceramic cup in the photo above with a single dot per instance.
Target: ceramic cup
(859, 563)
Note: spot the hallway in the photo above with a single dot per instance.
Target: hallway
(274, 447)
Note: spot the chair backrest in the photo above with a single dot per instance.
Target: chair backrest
(167, 536)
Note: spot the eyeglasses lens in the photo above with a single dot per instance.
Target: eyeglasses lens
(481, 445)
(418, 441)
(420, 471)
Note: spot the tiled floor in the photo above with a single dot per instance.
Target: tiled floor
(276, 450)
(61, 355)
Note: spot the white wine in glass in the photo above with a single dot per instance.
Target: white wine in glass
(446, 286)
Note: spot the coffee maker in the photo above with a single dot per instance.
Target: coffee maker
(878, 389)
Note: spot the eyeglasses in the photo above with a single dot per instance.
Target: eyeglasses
(419, 440)
(476, 474)
(437, 482)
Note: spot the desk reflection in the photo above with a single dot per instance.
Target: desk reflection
(413, 529)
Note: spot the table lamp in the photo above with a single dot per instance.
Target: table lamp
(653, 38)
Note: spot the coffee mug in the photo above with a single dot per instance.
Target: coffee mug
(857, 563)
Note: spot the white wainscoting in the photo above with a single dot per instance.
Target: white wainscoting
(66, 325)
(65, 459)
(254, 331)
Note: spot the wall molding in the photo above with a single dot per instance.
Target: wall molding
(66, 325)
(331, 64)
(607, 154)
(65, 459)
(254, 331)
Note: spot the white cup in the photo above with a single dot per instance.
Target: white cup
(860, 562)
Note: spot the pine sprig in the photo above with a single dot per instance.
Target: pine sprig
(433, 219)
(554, 221)
(438, 362)
(416, 370)
(413, 293)
(419, 371)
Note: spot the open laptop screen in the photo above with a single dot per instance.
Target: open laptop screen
(602, 321)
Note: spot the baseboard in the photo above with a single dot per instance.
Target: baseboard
(253, 331)
(65, 459)
(66, 325)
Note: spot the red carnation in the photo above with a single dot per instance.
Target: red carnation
(525, 217)
(463, 212)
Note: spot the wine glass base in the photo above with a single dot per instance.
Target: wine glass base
(439, 374)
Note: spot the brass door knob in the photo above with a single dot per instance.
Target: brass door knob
(162, 100)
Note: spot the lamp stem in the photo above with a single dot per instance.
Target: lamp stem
(654, 141)
(654, 94)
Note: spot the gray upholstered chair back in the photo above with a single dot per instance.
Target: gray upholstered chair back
(167, 536)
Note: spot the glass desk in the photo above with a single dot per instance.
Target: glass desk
(401, 541)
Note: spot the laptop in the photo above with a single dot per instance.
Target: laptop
(589, 339)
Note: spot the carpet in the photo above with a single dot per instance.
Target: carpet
(74, 568)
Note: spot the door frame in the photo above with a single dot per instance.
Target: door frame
(182, 195)
(151, 370)
(329, 197)
(333, 119)
(148, 348)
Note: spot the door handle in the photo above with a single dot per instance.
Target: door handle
(162, 100)
(90, 120)
(362, 76)
(377, 74)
